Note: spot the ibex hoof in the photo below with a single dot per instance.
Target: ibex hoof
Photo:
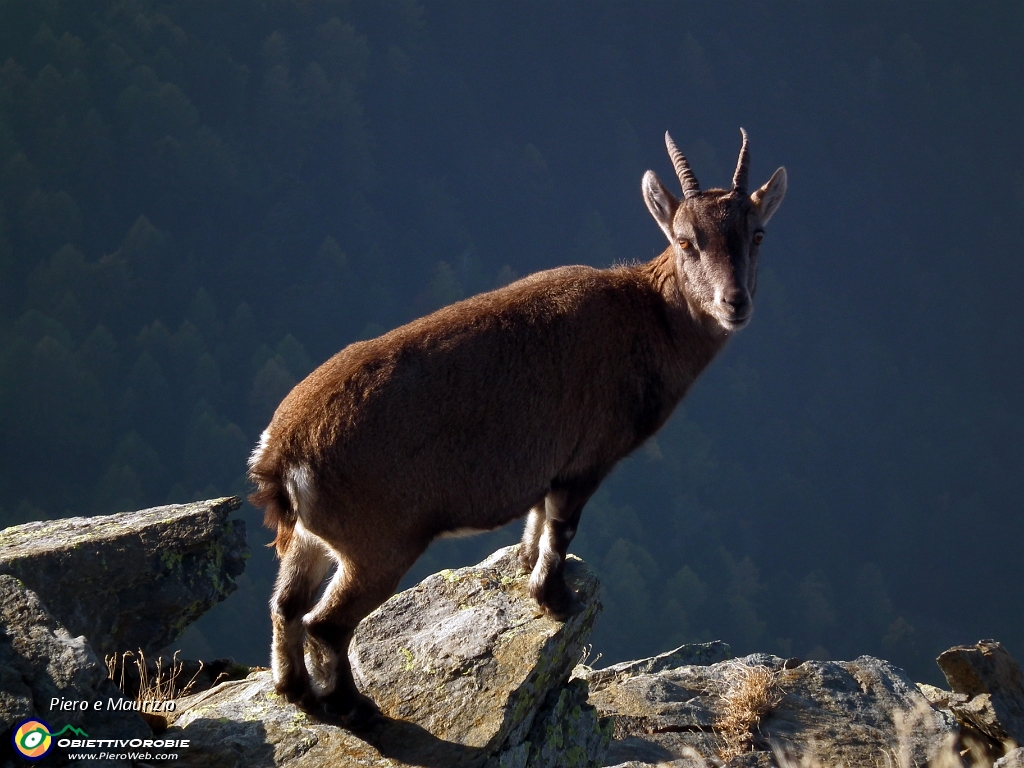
(528, 559)
(295, 690)
(357, 714)
(564, 609)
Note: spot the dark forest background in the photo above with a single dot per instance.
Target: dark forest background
(201, 201)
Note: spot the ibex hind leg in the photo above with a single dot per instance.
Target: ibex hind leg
(360, 585)
(529, 548)
(562, 508)
(303, 569)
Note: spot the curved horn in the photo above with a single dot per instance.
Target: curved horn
(739, 179)
(690, 186)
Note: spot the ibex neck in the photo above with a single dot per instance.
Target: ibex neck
(660, 272)
(667, 279)
(692, 338)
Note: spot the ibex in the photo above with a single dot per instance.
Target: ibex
(514, 402)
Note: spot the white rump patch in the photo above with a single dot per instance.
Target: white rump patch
(298, 481)
(303, 537)
(261, 446)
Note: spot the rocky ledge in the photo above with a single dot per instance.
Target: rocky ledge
(760, 709)
(134, 580)
(467, 672)
(465, 669)
(41, 662)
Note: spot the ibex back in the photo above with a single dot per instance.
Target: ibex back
(514, 402)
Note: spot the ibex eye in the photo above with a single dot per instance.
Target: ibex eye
(758, 237)
(684, 244)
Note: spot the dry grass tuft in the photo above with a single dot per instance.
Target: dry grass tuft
(748, 694)
(163, 687)
(921, 718)
(809, 759)
(907, 724)
(585, 656)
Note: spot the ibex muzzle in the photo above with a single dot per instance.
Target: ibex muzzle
(515, 402)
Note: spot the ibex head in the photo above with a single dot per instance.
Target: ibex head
(715, 235)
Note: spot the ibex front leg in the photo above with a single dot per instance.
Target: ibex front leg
(562, 508)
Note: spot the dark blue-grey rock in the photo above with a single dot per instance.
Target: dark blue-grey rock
(41, 661)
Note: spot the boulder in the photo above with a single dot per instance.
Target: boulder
(566, 733)
(139, 578)
(852, 713)
(858, 712)
(464, 667)
(693, 654)
(40, 661)
(990, 687)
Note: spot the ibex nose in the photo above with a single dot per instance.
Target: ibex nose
(737, 302)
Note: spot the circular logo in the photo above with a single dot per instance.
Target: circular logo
(32, 739)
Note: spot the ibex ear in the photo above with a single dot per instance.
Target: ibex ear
(660, 202)
(768, 197)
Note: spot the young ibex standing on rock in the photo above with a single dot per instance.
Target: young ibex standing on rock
(514, 402)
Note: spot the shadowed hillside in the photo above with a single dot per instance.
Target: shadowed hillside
(199, 203)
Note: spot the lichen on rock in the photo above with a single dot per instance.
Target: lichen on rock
(464, 666)
(566, 733)
(139, 577)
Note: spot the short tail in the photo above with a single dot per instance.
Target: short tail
(278, 514)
